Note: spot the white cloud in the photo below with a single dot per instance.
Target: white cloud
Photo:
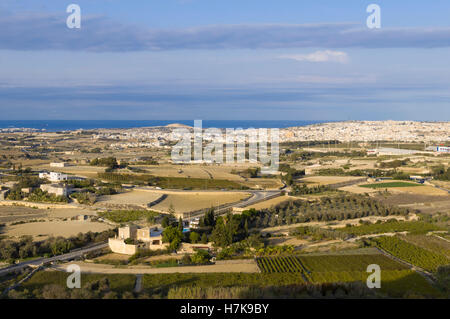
(319, 56)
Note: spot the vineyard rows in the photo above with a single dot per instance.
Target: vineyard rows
(413, 254)
(280, 264)
(326, 263)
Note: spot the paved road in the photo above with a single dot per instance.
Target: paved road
(36, 262)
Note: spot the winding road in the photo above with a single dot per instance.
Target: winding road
(76, 253)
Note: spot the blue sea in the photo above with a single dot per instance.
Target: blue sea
(70, 125)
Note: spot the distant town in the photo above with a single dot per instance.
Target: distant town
(113, 202)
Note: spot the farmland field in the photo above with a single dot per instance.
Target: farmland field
(155, 281)
(391, 184)
(328, 180)
(269, 203)
(432, 243)
(396, 279)
(411, 253)
(124, 216)
(189, 201)
(333, 263)
(42, 230)
(118, 282)
(395, 283)
(326, 263)
(171, 182)
(390, 226)
(280, 264)
(135, 197)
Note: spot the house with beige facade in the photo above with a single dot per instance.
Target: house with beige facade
(148, 237)
(56, 189)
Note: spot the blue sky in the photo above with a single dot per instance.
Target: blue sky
(211, 59)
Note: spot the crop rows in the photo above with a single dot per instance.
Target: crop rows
(411, 253)
(280, 264)
(326, 263)
(387, 227)
(395, 282)
(396, 279)
(348, 262)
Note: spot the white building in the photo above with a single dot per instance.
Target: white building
(194, 223)
(53, 176)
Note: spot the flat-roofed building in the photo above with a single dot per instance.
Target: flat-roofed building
(151, 237)
(127, 232)
(53, 176)
(55, 189)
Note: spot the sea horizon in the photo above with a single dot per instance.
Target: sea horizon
(71, 125)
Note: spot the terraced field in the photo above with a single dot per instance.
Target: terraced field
(391, 184)
(413, 254)
(431, 243)
(280, 264)
(390, 226)
(396, 279)
(336, 263)
(396, 283)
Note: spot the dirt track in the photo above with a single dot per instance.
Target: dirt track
(245, 266)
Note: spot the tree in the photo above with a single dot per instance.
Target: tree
(224, 231)
(165, 221)
(194, 237)
(173, 236)
(246, 227)
(204, 239)
(208, 219)
(200, 257)
(171, 209)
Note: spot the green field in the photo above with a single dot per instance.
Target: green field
(390, 185)
(119, 283)
(280, 264)
(171, 182)
(326, 263)
(396, 279)
(396, 283)
(124, 216)
(432, 243)
(156, 281)
(413, 254)
(390, 226)
(333, 263)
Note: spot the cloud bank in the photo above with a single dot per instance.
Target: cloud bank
(319, 56)
(100, 34)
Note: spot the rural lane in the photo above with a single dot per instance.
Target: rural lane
(40, 261)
